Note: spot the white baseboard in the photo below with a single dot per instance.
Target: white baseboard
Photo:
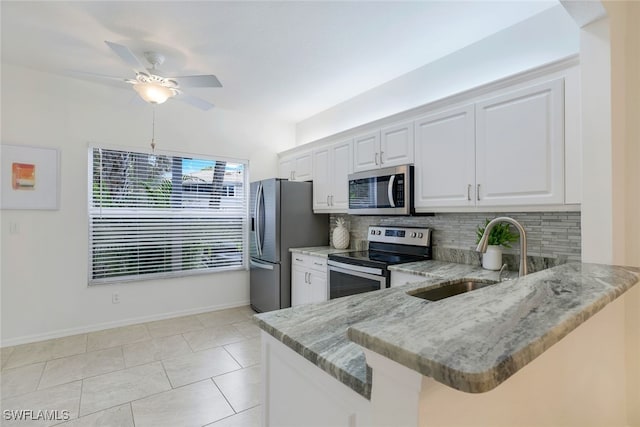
(114, 324)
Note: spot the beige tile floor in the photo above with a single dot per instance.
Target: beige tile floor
(201, 370)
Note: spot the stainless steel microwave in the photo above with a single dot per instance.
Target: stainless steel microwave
(387, 191)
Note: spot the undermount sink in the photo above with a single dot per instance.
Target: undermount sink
(451, 289)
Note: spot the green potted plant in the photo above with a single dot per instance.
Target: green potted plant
(501, 235)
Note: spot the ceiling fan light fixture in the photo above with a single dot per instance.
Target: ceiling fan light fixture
(154, 93)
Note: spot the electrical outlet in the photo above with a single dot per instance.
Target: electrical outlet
(115, 298)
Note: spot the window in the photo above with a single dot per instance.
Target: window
(157, 215)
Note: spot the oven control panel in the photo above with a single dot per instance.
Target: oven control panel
(400, 235)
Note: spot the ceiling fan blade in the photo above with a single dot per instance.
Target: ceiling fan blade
(194, 101)
(95, 75)
(205, 80)
(126, 55)
(85, 74)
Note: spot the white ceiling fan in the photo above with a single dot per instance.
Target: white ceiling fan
(154, 88)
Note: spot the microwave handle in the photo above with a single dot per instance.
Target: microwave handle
(392, 203)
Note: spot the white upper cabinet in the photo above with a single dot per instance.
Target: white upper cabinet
(296, 167)
(501, 148)
(285, 167)
(520, 147)
(332, 166)
(341, 166)
(391, 146)
(366, 152)
(396, 144)
(445, 158)
(322, 181)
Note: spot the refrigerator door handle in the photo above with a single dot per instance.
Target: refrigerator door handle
(258, 213)
(261, 265)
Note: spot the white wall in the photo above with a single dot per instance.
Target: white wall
(595, 67)
(544, 38)
(625, 142)
(44, 265)
(610, 63)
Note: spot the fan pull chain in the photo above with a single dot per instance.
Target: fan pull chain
(153, 131)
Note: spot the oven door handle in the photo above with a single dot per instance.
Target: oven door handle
(380, 279)
(368, 272)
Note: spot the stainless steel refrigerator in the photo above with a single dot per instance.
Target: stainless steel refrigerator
(281, 218)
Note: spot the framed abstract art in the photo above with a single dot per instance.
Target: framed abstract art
(29, 177)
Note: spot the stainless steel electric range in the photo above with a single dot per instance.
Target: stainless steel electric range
(363, 271)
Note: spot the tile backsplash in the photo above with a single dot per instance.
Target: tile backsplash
(553, 238)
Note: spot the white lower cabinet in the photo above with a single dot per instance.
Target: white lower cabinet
(308, 279)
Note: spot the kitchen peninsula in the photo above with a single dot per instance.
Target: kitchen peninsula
(388, 358)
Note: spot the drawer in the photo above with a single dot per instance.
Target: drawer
(309, 262)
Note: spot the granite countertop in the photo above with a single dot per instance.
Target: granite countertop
(433, 268)
(320, 251)
(471, 342)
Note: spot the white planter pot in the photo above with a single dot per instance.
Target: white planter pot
(492, 259)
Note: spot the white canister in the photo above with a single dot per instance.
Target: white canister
(492, 258)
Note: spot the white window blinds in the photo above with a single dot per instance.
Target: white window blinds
(156, 215)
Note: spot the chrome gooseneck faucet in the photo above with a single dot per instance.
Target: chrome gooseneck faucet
(482, 245)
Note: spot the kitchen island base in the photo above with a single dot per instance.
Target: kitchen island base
(298, 393)
(579, 381)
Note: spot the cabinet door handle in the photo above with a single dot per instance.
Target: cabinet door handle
(309, 278)
(317, 263)
(331, 200)
(376, 158)
(381, 160)
(305, 277)
(478, 192)
(469, 192)
(298, 259)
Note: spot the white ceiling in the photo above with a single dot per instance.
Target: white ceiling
(288, 60)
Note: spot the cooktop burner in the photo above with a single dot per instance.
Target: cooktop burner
(377, 257)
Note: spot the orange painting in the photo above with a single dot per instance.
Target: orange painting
(23, 176)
